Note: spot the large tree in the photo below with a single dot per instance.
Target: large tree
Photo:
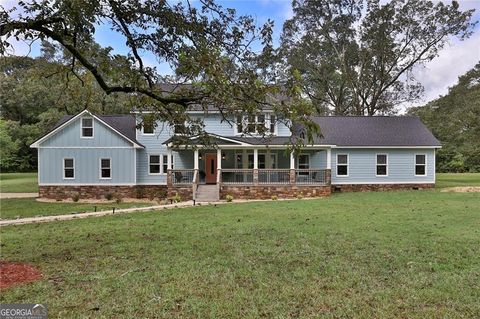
(207, 47)
(358, 56)
(455, 120)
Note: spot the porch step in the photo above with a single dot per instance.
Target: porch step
(207, 193)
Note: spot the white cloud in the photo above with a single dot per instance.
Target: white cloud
(453, 61)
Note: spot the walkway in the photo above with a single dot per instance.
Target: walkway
(18, 195)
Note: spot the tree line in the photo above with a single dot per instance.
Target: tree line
(340, 57)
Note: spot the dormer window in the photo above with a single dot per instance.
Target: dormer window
(180, 128)
(256, 124)
(148, 128)
(87, 127)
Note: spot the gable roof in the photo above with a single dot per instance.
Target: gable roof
(374, 131)
(124, 125)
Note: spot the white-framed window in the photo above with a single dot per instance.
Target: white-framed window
(262, 161)
(256, 124)
(381, 165)
(148, 126)
(158, 164)
(69, 168)
(165, 163)
(154, 164)
(303, 161)
(180, 128)
(105, 168)
(420, 164)
(250, 160)
(86, 127)
(342, 164)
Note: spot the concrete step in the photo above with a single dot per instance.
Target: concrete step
(206, 193)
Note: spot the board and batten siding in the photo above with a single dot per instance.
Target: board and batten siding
(86, 152)
(401, 166)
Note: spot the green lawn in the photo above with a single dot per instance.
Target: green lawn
(18, 183)
(407, 254)
(29, 207)
(457, 179)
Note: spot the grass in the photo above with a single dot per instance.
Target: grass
(29, 207)
(409, 254)
(457, 179)
(18, 183)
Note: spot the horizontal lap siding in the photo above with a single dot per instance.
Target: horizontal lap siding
(87, 165)
(401, 165)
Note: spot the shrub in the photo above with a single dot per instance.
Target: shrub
(300, 196)
(274, 197)
(109, 196)
(76, 198)
(229, 198)
(176, 198)
(118, 200)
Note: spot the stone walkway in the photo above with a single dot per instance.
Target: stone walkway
(18, 195)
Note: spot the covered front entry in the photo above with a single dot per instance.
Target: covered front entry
(211, 168)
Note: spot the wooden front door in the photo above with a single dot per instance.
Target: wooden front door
(210, 168)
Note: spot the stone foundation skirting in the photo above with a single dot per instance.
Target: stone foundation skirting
(280, 191)
(183, 192)
(103, 192)
(378, 187)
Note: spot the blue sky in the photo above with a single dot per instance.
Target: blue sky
(456, 59)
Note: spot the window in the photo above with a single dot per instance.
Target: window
(273, 124)
(342, 164)
(154, 164)
(180, 128)
(382, 162)
(105, 168)
(165, 163)
(87, 127)
(148, 127)
(68, 168)
(250, 161)
(262, 161)
(239, 161)
(420, 165)
(256, 124)
(303, 161)
(273, 161)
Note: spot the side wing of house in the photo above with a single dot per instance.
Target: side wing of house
(383, 166)
(67, 158)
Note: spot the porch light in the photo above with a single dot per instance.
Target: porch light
(200, 156)
(224, 156)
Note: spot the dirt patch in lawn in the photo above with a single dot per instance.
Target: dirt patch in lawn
(13, 274)
(463, 189)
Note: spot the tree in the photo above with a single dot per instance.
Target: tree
(455, 120)
(208, 47)
(358, 57)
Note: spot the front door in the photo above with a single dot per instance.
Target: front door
(210, 168)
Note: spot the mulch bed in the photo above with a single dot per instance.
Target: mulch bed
(13, 274)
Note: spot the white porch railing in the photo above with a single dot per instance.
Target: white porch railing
(236, 176)
(311, 176)
(273, 176)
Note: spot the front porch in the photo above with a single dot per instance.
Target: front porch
(250, 173)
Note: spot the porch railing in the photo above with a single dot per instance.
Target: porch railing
(311, 176)
(236, 176)
(274, 176)
(182, 176)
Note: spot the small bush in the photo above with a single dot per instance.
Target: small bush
(118, 199)
(76, 198)
(274, 197)
(108, 196)
(229, 198)
(176, 198)
(300, 196)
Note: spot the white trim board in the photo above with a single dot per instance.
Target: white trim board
(87, 184)
(375, 183)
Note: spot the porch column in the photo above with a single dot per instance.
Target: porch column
(255, 166)
(219, 164)
(292, 168)
(329, 158)
(195, 159)
(169, 159)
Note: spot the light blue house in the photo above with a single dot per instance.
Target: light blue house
(95, 156)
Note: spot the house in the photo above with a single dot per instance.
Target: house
(95, 155)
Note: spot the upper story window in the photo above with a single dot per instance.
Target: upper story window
(68, 168)
(148, 127)
(87, 127)
(256, 124)
(420, 164)
(382, 165)
(158, 164)
(342, 164)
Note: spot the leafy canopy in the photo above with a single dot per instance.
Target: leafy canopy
(357, 57)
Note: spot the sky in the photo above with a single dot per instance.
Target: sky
(438, 75)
